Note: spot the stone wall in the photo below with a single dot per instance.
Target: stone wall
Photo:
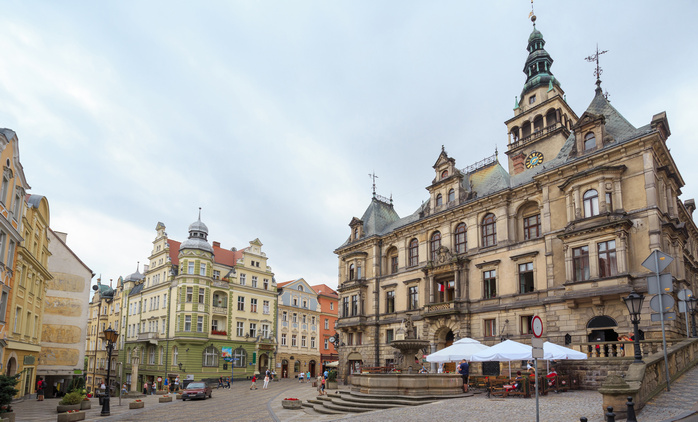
(593, 372)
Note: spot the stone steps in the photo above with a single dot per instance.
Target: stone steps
(324, 410)
(364, 404)
(343, 402)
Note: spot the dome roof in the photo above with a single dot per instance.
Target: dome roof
(103, 290)
(198, 234)
(198, 226)
(536, 34)
(137, 276)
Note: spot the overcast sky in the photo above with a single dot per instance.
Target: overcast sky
(270, 115)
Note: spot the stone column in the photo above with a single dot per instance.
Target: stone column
(457, 282)
(577, 204)
(434, 365)
(134, 371)
(430, 280)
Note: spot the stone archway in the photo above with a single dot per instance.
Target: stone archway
(263, 363)
(11, 367)
(602, 328)
(443, 337)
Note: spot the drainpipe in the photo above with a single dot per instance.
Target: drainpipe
(376, 300)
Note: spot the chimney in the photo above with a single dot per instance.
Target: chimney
(518, 162)
(216, 244)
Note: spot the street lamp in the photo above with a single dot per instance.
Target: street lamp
(110, 336)
(634, 304)
(692, 309)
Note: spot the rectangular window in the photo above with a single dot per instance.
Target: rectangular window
(190, 268)
(18, 317)
(607, 259)
(253, 329)
(303, 318)
(283, 339)
(580, 261)
(240, 329)
(312, 320)
(11, 254)
(354, 305)
(526, 277)
(609, 202)
(393, 264)
(526, 321)
(3, 191)
(243, 279)
(265, 330)
(190, 294)
(294, 341)
(359, 338)
(331, 306)
(350, 339)
(345, 306)
(266, 284)
(216, 275)
(187, 323)
(390, 301)
(202, 291)
(490, 328)
(295, 317)
(303, 341)
(200, 324)
(3, 305)
(241, 303)
(413, 297)
(327, 344)
(327, 324)
(389, 335)
(253, 305)
(312, 342)
(265, 307)
(532, 227)
(254, 281)
(202, 269)
(489, 284)
(284, 316)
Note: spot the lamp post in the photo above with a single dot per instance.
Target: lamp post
(110, 336)
(692, 309)
(634, 304)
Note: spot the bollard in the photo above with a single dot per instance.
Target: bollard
(631, 410)
(610, 416)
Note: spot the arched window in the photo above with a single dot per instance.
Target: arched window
(240, 358)
(589, 141)
(460, 241)
(413, 253)
(351, 271)
(489, 231)
(451, 195)
(297, 366)
(175, 354)
(444, 174)
(439, 200)
(356, 233)
(591, 203)
(210, 357)
(300, 288)
(434, 245)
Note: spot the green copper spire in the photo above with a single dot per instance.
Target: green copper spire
(538, 63)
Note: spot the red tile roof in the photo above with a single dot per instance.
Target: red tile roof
(221, 256)
(284, 283)
(325, 290)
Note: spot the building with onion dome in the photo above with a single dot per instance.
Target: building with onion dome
(199, 311)
(559, 230)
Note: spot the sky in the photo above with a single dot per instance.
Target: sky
(271, 115)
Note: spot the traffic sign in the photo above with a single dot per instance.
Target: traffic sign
(657, 257)
(537, 326)
(537, 342)
(666, 284)
(667, 303)
(685, 294)
(537, 353)
(668, 316)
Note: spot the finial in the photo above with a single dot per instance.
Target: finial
(532, 16)
(516, 102)
(391, 198)
(374, 177)
(138, 266)
(199, 213)
(496, 152)
(598, 71)
(110, 280)
(443, 149)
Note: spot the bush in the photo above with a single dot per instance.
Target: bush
(71, 398)
(77, 384)
(332, 376)
(7, 391)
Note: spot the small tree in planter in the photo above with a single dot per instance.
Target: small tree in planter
(7, 392)
(332, 380)
(70, 401)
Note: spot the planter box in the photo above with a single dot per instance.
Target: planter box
(136, 405)
(62, 408)
(178, 397)
(291, 404)
(71, 417)
(86, 404)
(7, 416)
(331, 385)
(165, 399)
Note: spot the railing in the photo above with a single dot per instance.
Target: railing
(535, 135)
(219, 333)
(482, 163)
(438, 307)
(220, 310)
(620, 349)
(148, 336)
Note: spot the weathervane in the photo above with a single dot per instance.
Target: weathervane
(532, 15)
(598, 71)
(374, 177)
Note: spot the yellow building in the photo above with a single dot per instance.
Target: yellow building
(562, 234)
(104, 312)
(300, 336)
(31, 274)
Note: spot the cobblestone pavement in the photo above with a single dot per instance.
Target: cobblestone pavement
(682, 398)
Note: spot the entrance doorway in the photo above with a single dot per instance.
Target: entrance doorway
(284, 368)
(311, 368)
(602, 329)
(11, 367)
(263, 363)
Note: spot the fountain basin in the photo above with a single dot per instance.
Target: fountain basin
(408, 384)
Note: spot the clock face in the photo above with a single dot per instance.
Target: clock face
(534, 159)
(331, 339)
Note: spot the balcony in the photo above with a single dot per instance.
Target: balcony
(219, 333)
(220, 310)
(148, 336)
(442, 308)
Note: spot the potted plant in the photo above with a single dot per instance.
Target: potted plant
(136, 404)
(331, 380)
(71, 416)
(291, 403)
(70, 401)
(165, 399)
(7, 392)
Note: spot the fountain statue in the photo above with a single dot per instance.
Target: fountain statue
(408, 345)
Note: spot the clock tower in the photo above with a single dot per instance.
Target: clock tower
(542, 118)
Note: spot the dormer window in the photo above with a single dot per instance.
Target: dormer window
(451, 195)
(356, 233)
(444, 174)
(589, 141)
(532, 99)
(439, 200)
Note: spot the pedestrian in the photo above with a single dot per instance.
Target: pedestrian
(254, 383)
(124, 389)
(326, 374)
(220, 382)
(266, 381)
(322, 391)
(228, 382)
(166, 385)
(300, 377)
(176, 384)
(319, 381)
(153, 387)
(40, 389)
(464, 371)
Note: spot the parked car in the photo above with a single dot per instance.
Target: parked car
(196, 390)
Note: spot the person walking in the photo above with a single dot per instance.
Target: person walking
(266, 381)
(326, 374)
(319, 381)
(300, 377)
(254, 383)
(176, 384)
(40, 385)
(166, 384)
(145, 388)
(124, 389)
(228, 382)
(464, 371)
(153, 387)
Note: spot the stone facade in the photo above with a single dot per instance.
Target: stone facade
(562, 234)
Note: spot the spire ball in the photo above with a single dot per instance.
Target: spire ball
(533, 19)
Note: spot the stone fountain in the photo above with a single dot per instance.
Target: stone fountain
(407, 382)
